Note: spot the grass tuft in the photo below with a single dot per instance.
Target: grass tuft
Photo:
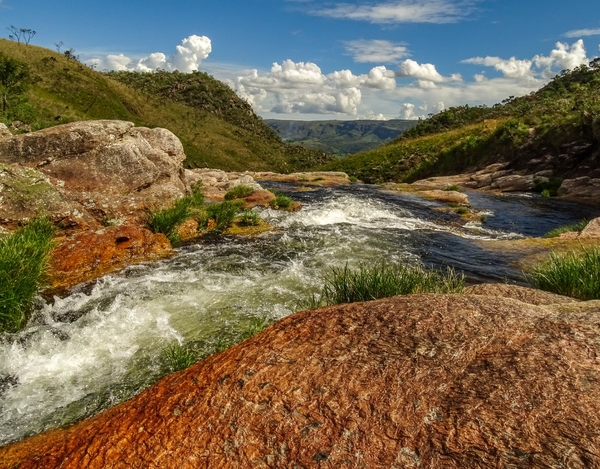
(571, 274)
(345, 285)
(249, 218)
(167, 220)
(281, 202)
(579, 226)
(23, 259)
(239, 192)
(223, 214)
(178, 357)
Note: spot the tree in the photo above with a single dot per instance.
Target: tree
(14, 79)
(21, 33)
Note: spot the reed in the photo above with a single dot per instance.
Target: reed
(579, 226)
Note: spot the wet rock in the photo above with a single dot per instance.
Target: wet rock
(91, 254)
(318, 178)
(451, 197)
(424, 380)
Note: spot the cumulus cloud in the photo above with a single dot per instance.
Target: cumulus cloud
(407, 111)
(302, 87)
(376, 51)
(405, 11)
(563, 57)
(425, 73)
(582, 33)
(187, 58)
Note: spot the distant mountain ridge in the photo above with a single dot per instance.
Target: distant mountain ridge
(340, 137)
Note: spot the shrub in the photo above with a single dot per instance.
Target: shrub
(452, 188)
(249, 218)
(546, 194)
(462, 210)
(222, 213)
(23, 259)
(571, 274)
(239, 192)
(384, 280)
(167, 220)
(579, 226)
(281, 201)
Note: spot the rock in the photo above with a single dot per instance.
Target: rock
(261, 198)
(88, 255)
(111, 168)
(583, 188)
(452, 197)
(4, 132)
(592, 230)
(318, 178)
(431, 381)
(515, 183)
(526, 295)
(26, 193)
(492, 168)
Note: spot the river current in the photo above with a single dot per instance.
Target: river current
(103, 343)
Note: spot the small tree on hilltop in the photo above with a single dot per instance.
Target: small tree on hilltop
(21, 33)
(14, 79)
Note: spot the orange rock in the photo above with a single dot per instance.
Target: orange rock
(91, 254)
(188, 229)
(431, 381)
(261, 197)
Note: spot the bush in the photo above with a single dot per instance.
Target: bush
(571, 274)
(579, 226)
(249, 218)
(452, 188)
(239, 192)
(222, 213)
(383, 280)
(462, 210)
(23, 259)
(281, 201)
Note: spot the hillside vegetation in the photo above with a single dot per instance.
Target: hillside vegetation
(340, 138)
(216, 127)
(526, 132)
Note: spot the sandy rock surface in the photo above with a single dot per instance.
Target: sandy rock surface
(432, 381)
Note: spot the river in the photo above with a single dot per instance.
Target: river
(104, 342)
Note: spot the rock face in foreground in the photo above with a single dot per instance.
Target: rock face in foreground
(432, 381)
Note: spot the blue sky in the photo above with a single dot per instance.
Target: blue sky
(303, 59)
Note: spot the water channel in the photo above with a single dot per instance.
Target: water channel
(103, 343)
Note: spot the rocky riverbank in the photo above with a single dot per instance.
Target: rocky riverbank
(498, 377)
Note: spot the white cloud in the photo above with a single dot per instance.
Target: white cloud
(376, 51)
(423, 72)
(301, 87)
(407, 111)
(404, 11)
(563, 57)
(187, 58)
(582, 33)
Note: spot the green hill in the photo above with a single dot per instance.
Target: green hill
(216, 127)
(340, 138)
(557, 127)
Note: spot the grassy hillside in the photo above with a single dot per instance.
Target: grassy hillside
(340, 138)
(216, 127)
(544, 125)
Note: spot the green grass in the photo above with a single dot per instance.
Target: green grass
(571, 274)
(579, 226)
(239, 192)
(345, 285)
(23, 259)
(462, 210)
(281, 202)
(178, 357)
(223, 214)
(167, 220)
(452, 188)
(249, 218)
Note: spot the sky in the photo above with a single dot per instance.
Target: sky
(345, 60)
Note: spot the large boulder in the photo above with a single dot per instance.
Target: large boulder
(426, 381)
(111, 168)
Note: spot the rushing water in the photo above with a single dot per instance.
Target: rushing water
(103, 343)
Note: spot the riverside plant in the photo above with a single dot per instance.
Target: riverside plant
(281, 202)
(167, 220)
(579, 226)
(574, 274)
(345, 285)
(23, 259)
(223, 214)
(249, 218)
(239, 192)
